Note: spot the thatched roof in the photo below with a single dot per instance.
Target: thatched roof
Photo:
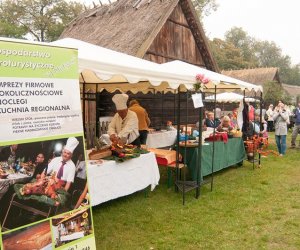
(292, 90)
(130, 26)
(255, 76)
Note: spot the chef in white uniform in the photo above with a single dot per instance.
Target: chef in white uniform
(125, 125)
(63, 165)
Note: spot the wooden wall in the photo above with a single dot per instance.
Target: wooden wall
(175, 41)
(160, 107)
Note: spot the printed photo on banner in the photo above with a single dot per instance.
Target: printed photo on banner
(71, 226)
(40, 180)
(42, 160)
(37, 236)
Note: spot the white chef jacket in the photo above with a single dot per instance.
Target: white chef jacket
(69, 169)
(127, 128)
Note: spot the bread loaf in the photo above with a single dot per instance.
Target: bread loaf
(33, 238)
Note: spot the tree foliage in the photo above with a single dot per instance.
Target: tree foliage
(228, 56)
(240, 39)
(205, 7)
(44, 20)
(274, 92)
(253, 53)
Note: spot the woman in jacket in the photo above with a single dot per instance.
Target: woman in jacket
(280, 118)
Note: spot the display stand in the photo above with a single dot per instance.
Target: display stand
(184, 185)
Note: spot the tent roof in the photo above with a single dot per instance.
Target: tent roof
(220, 81)
(229, 97)
(113, 70)
(117, 71)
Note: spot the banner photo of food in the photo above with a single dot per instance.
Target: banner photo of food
(42, 154)
(37, 236)
(47, 176)
(71, 226)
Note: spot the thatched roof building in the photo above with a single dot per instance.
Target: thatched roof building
(293, 91)
(156, 30)
(256, 76)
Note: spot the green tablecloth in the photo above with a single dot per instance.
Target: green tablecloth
(226, 155)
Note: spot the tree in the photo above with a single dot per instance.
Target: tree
(292, 75)
(273, 92)
(240, 39)
(205, 7)
(44, 20)
(252, 53)
(228, 56)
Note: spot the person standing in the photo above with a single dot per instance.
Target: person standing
(270, 113)
(124, 126)
(251, 111)
(280, 118)
(296, 128)
(80, 176)
(144, 121)
(63, 166)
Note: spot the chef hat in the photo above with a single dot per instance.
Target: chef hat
(72, 143)
(120, 101)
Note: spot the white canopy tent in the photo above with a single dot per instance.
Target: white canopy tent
(223, 82)
(114, 70)
(117, 71)
(229, 97)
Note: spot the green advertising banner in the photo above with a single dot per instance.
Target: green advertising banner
(43, 181)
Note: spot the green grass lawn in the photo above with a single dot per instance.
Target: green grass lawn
(248, 209)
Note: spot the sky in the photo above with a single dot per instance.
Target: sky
(271, 20)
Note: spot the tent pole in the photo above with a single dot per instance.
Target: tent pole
(213, 151)
(185, 144)
(174, 111)
(199, 155)
(177, 141)
(154, 98)
(253, 122)
(97, 97)
(162, 109)
(83, 103)
(261, 125)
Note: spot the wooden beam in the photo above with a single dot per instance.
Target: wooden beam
(198, 33)
(178, 23)
(145, 46)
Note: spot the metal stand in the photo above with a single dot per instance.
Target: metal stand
(185, 186)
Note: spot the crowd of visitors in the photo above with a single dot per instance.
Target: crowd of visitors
(276, 119)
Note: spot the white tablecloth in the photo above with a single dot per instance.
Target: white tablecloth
(111, 180)
(72, 236)
(161, 139)
(10, 180)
